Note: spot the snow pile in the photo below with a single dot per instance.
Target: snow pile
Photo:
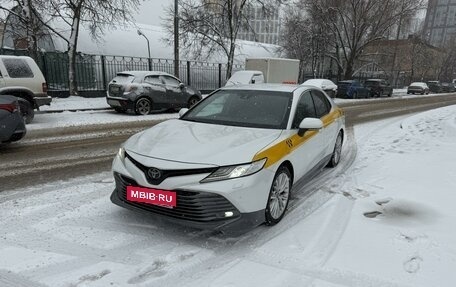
(385, 220)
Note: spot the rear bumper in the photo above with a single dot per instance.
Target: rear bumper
(12, 128)
(120, 103)
(42, 100)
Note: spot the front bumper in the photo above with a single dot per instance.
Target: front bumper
(200, 205)
(194, 209)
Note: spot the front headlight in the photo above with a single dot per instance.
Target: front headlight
(235, 171)
(121, 153)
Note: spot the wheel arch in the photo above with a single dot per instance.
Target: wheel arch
(20, 93)
(288, 165)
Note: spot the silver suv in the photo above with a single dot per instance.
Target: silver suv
(21, 77)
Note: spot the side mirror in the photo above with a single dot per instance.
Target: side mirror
(182, 112)
(309, 124)
(181, 85)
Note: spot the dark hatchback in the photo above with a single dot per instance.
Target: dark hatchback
(351, 89)
(142, 92)
(379, 87)
(12, 126)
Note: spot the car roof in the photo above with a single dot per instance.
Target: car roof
(375, 80)
(145, 73)
(267, 87)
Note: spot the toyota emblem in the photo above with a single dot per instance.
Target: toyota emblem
(154, 173)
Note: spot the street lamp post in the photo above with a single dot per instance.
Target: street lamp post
(176, 39)
(148, 48)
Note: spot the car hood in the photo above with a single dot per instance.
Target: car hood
(191, 142)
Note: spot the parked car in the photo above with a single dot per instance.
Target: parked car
(142, 92)
(249, 144)
(245, 77)
(21, 77)
(379, 87)
(352, 89)
(435, 86)
(12, 126)
(448, 88)
(418, 88)
(326, 85)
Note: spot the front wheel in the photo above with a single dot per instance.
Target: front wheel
(279, 196)
(337, 152)
(143, 106)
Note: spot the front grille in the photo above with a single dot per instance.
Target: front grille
(191, 205)
(167, 173)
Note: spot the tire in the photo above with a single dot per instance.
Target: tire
(192, 101)
(279, 196)
(337, 152)
(143, 106)
(27, 111)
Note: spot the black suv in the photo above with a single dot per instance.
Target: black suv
(378, 87)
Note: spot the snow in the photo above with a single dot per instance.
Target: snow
(383, 218)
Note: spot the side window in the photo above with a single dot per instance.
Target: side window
(154, 80)
(17, 68)
(322, 105)
(304, 109)
(170, 81)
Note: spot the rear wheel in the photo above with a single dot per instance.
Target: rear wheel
(27, 111)
(337, 152)
(143, 106)
(279, 196)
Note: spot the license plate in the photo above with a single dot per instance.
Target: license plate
(114, 103)
(153, 196)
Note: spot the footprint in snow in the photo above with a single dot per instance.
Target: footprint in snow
(372, 214)
(155, 270)
(413, 264)
(384, 201)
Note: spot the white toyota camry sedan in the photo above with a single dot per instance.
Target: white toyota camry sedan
(232, 159)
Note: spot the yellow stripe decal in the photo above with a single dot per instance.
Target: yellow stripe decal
(278, 151)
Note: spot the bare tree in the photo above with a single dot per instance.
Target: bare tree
(208, 26)
(304, 39)
(24, 27)
(352, 25)
(97, 15)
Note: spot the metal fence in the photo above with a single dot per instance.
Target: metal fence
(94, 72)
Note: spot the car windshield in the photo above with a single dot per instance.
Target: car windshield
(245, 108)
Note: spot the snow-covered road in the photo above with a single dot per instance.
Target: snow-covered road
(382, 218)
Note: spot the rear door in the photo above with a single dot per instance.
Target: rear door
(155, 88)
(175, 95)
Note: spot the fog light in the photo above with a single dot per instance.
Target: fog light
(229, 214)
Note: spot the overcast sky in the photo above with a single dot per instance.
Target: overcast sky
(151, 11)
